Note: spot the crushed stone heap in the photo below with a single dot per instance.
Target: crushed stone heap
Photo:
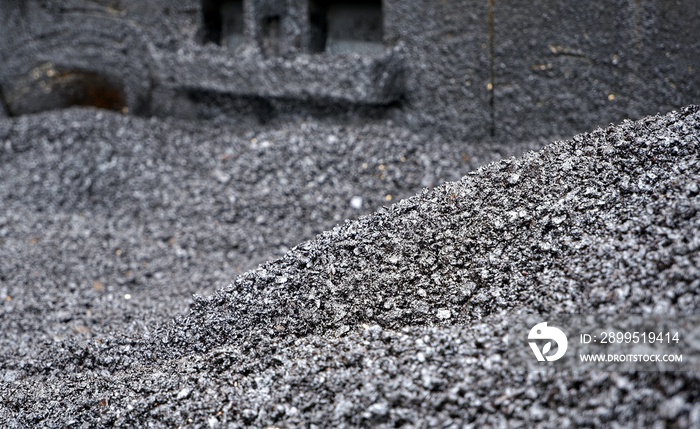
(398, 318)
(99, 207)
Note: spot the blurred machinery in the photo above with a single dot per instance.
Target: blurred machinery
(462, 69)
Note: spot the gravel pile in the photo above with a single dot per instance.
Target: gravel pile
(395, 319)
(110, 223)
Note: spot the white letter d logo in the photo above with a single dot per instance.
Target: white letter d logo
(543, 332)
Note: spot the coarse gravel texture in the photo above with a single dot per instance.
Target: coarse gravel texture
(395, 319)
(110, 223)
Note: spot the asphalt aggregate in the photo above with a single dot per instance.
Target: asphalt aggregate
(344, 275)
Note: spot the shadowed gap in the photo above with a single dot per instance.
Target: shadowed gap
(67, 88)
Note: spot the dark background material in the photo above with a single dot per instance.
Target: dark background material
(465, 70)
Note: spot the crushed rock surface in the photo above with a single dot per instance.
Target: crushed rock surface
(110, 223)
(394, 319)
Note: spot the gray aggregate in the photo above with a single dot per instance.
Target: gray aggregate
(394, 318)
